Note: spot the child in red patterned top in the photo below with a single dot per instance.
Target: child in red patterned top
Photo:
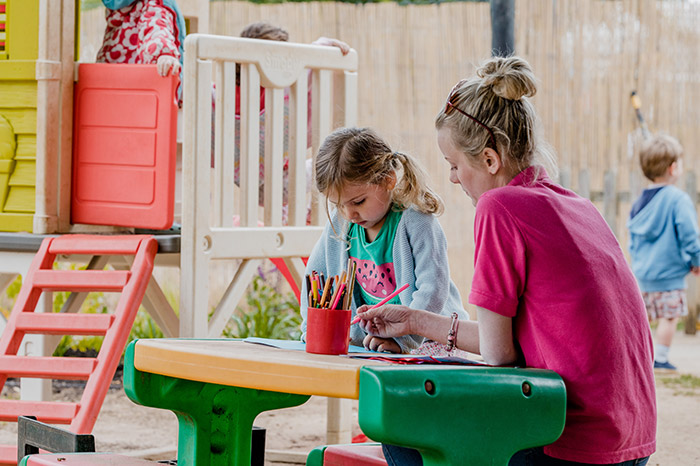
(144, 32)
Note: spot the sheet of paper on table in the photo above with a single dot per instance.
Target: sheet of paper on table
(297, 345)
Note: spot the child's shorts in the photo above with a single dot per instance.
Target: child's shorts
(666, 304)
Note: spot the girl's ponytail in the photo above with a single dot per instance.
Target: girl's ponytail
(412, 188)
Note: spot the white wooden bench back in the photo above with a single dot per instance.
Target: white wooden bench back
(211, 200)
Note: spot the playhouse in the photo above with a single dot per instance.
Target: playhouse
(38, 74)
(95, 147)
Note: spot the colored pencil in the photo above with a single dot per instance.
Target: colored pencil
(338, 294)
(326, 290)
(382, 302)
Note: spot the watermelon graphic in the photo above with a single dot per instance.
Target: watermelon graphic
(377, 280)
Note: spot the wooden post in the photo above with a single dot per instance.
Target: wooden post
(565, 178)
(502, 28)
(635, 185)
(584, 184)
(610, 199)
(691, 319)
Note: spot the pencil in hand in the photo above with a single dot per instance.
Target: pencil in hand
(382, 302)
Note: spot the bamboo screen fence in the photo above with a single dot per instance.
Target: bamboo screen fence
(589, 55)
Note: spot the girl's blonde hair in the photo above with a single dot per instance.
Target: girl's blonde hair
(359, 155)
(493, 109)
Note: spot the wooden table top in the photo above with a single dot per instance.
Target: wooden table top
(242, 364)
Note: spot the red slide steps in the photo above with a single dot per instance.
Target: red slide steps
(97, 372)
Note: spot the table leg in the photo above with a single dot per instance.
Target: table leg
(215, 421)
(339, 421)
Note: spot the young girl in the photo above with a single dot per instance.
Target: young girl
(384, 221)
(144, 32)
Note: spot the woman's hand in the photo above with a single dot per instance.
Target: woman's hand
(330, 42)
(387, 321)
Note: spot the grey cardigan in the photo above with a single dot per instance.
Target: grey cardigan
(420, 259)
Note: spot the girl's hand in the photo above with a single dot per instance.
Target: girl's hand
(166, 63)
(381, 345)
(390, 320)
(330, 42)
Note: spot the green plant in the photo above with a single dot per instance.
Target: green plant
(11, 293)
(685, 384)
(144, 327)
(90, 4)
(268, 314)
(95, 303)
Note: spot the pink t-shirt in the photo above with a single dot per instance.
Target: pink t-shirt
(545, 257)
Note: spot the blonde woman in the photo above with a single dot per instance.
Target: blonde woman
(551, 285)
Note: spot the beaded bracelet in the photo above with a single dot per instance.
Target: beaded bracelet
(452, 334)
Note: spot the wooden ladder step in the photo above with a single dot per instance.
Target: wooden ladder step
(47, 367)
(50, 412)
(81, 280)
(64, 324)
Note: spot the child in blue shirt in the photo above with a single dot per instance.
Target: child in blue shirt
(384, 221)
(664, 244)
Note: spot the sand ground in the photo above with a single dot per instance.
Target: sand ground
(127, 428)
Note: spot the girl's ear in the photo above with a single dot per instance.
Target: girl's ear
(390, 183)
(492, 161)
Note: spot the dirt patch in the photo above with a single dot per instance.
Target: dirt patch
(127, 428)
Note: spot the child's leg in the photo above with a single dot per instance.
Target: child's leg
(401, 456)
(667, 307)
(665, 330)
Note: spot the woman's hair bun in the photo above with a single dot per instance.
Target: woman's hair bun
(510, 77)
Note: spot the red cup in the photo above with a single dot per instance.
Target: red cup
(327, 331)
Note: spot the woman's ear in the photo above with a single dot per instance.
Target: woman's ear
(492, 161)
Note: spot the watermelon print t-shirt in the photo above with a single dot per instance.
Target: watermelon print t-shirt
(375, 264)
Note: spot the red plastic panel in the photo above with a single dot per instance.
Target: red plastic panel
(353, 455)
(8, 454)
(124, 146)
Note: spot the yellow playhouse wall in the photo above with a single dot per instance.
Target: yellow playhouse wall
(18, 104)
